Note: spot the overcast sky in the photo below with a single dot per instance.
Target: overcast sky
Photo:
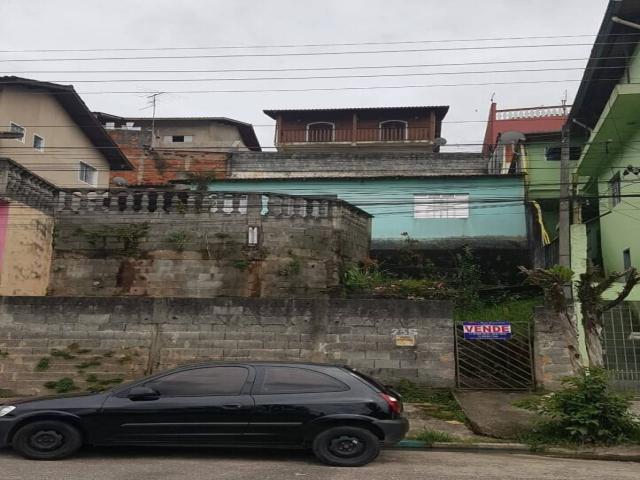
(93, 24)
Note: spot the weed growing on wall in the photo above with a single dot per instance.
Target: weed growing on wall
(43, 364)
(62, 385)
(127, 236)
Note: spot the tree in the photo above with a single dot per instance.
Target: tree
(553, 282)
(590, 288)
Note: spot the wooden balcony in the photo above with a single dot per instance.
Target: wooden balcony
(354, 136)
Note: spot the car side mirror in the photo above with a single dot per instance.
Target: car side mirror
(142, 393)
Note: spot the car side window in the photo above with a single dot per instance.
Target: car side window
(202, 381)
(298, 380)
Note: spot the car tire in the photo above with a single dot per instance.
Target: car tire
(47, 440)
(346, 446)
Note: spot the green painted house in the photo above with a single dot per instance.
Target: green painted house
(606, 118)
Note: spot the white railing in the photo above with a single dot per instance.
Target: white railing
(538, 112)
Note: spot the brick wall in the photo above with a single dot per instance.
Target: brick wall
(158, 167)
(123, 338)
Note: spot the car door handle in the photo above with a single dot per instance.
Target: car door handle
(232, 406)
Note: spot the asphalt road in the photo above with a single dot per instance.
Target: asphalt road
(170, 464)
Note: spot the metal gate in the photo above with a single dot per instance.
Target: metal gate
(621, 337)
(496, 364)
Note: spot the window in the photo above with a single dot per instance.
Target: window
(202, 381)
(626, 259)
(321, 132)
(298, 380)
(178, 138)
(441, 206)
(616, 195)
(38, 142)
(15, 128)
(393, 130)
(554, 154)
(88, 174)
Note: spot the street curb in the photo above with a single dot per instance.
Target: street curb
(514, 448)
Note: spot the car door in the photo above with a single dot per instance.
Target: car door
(197, 405)
(288, 398)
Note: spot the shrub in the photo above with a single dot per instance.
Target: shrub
(585, 411)
(368, 279)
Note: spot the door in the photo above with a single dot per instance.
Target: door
(199, 405)
(287, 398)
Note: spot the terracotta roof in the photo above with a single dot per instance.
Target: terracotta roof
(440, 109)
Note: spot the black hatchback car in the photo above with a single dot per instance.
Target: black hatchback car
(342, 415)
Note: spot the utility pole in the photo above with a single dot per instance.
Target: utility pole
(152, 99)
(564, 218)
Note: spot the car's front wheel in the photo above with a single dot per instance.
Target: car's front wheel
(346, 446)
(47, 440)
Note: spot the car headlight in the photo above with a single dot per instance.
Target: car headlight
(5, 410)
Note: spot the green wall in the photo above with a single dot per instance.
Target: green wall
(390, 201)
(620, 224)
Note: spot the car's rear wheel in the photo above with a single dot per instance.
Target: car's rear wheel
(47, 440)
(346, 446)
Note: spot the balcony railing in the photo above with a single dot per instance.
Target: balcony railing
(537, 112)
(19, 184)
(141, 202)
(349, 135)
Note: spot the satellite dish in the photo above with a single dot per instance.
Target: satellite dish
(119, 182)
(440, 141)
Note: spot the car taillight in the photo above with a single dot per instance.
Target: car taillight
(394, 404)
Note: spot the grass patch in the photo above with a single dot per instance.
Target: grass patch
(532, 403)
(43, 364)
(6, 393)
(438, 404)
(513, 311)
(432, 436)
(4, 354)
(62, 385)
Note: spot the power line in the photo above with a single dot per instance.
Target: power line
(326, 77)
(323, 68)
(306, 45)
(313, 54)
(326, 89)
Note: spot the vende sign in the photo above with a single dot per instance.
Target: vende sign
(487, 330)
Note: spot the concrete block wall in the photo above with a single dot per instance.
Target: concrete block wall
(271, 165)
(132, 336)
(551, 355)
(303, 245)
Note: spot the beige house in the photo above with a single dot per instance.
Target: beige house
(48, 129)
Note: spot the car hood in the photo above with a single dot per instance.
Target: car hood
(86, 400)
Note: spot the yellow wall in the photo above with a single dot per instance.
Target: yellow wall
(27, 253)
(41, 114)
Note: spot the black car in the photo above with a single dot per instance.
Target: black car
(342, 415)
